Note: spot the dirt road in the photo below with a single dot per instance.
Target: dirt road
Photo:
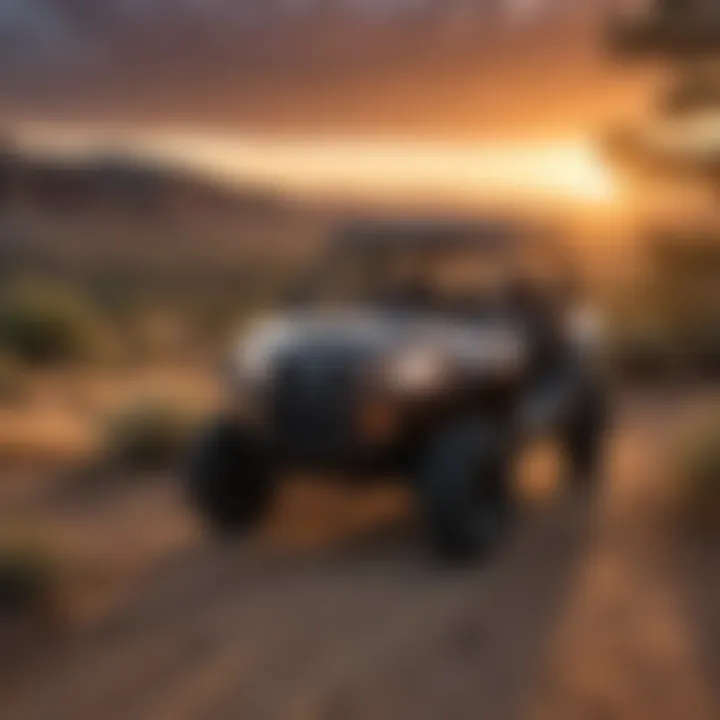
(587, 613)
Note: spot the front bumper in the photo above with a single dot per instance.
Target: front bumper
(377, 434)
(341, 426)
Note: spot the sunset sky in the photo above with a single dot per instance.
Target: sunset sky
(458, 98)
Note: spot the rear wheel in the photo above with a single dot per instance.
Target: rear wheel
(585, 436)
(464, 491)
(230, 477)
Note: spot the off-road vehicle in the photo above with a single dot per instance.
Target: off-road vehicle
(429, 350)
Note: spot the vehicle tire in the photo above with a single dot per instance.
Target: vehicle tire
(585, 436)
(230, 477)
(464, 491)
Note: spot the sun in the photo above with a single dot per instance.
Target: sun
(558, 170)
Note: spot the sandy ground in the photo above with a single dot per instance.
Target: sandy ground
(336, 613)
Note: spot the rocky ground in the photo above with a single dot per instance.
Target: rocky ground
(591, 611)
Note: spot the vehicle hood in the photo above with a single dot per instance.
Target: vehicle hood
(366, 336)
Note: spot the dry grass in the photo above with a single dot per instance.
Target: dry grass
(60, 417)
(697, 495)
(148, 434)
(29, 576)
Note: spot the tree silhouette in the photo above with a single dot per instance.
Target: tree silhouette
(685, 35)
(680, 294)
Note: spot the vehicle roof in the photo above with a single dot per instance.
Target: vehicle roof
(429, 233)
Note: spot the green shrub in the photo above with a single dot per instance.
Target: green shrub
(147, 435)
(47, 324)
(28, 578)
(698, 493)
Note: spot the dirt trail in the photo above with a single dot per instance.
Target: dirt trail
(581, 616)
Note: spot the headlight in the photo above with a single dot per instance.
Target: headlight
(417, 372)
(254, 357)
(253, 368)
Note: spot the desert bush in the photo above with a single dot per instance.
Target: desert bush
(640, 346)
(683, 298)
(149, 434)
(41, 323)
(668, 322)
(29, 578)
(697, 499)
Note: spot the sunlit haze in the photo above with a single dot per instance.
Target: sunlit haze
(368, 168)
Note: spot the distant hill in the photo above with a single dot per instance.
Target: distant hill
(121, 219)
(122, 184)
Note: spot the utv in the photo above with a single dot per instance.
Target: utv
(428, 349)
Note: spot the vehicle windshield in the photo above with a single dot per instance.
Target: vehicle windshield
(443, 278)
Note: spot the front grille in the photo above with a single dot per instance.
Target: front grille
(314, 403)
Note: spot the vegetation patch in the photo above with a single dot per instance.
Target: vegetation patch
(44, 324)
(147, 435)
(681, 301)
(29, 578)
(698, 492)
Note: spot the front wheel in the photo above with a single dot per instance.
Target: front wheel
(230, 477)
(464, 490)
